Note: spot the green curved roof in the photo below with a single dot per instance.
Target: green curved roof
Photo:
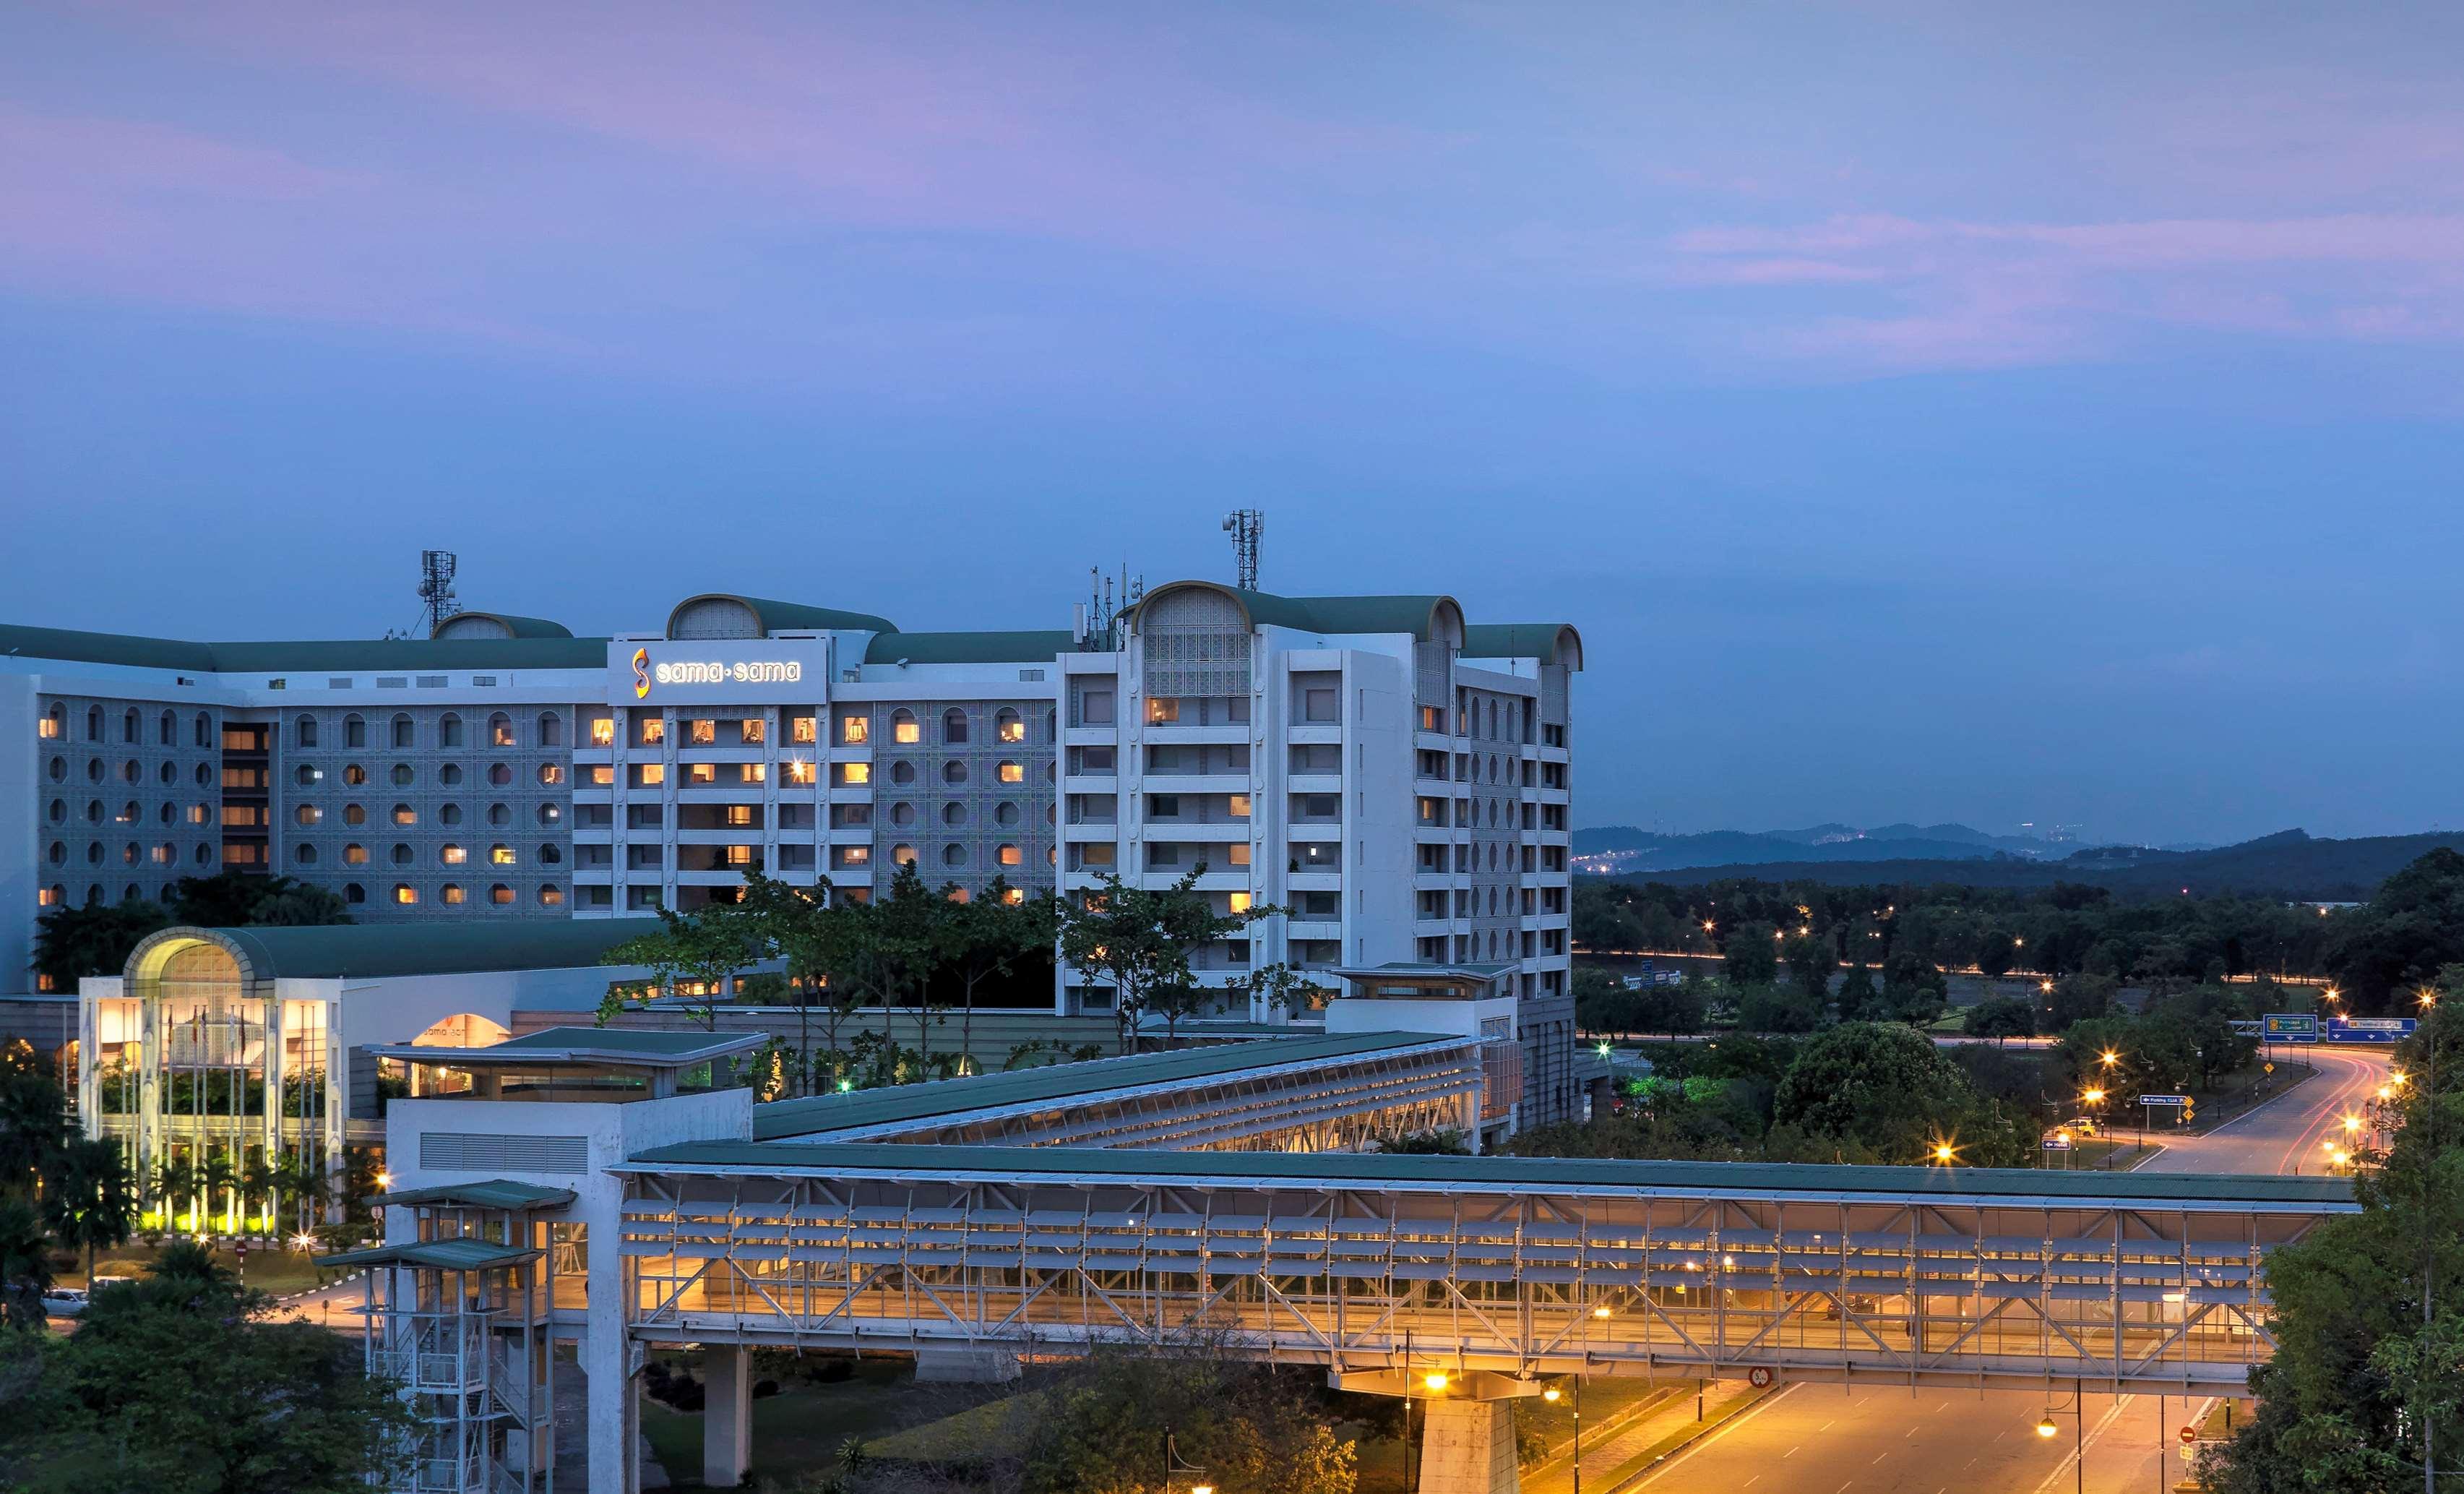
(1032, 646)
(426, 947)
(521, 627)
(1520, 640)
(774, 615)
(407, 655)
(1329, 614)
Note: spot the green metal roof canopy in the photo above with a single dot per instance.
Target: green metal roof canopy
(445, 946)
(447, 1255)
(562, 1046)
(494, 1194)
(407, 655)
(776, 617)
(969, 648)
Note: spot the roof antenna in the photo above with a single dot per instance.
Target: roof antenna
(435, 588)
(1247, 526)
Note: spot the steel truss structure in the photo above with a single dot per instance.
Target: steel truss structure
(1336, 1105)
(1923, 1286)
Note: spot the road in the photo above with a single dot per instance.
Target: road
(1814, 1438)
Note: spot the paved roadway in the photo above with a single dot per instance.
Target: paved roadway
(1813, 1439)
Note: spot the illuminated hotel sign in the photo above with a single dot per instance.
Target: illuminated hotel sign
(715, 670)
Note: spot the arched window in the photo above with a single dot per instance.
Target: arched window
(501, 894)
(551, 729)
(304, 732)
(404, 893)
(353, 892)
(1008, 725)
(303, 855)
(355, 731)
(128, 728)
(500, 730)
(55, 723)
(94, 724)
(404, 734)
(94, 812)
(550, 894)
(204, 729)
(449, 734)
(953, 726)
(903, 729)
(58, 812)
(451, 893)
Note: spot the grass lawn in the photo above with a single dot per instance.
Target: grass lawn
(801, 1427)
(277, 1271)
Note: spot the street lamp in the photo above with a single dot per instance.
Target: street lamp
(2077, 1408)
(1945, 1153)
(1174, 1467)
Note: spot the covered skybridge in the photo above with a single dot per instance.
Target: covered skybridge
(1374, 1264)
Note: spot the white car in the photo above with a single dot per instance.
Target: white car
(64, 1302)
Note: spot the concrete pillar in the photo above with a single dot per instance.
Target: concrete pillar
(965, 1366)
(1468, 1448)
(726, 1414)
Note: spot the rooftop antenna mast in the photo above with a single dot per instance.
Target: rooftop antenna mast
(435, 589)
(1247, 526)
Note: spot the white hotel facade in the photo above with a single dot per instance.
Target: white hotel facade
(1397, 778)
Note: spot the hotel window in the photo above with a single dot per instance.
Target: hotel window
(129, 729)
(739, 855)
(855, 772)
(500, 774)
(752, 730)
(1095, 708)
(1014, 896)
(551, 896)
(450, 892)
(449, 774)
(953, 726)
(1237, 806)
(737, 814)
(1239, 902)
(701, 732)
(550, 814)
(353, 892)
(501, 855)
(853, 856)
(603, 731)
(551, 729)
(501, 894)
(803, 730)
(902, 856)
(404, 893)
(404, 815)
(1012, 772)
(454, 856)
(1162, 712)
(903, 729)
(551, 774)
(449, 730)
(354, 774)
(355, 856)
(701, 772)
(1009, 855)
(401, 853)
(500, 730)
(855, 730)
(405, 734)
(1237, 853)
(303, 732)
(165, 853)
(1009, 726)
(753, 772)
(355, 814)
(51, 897)
(449, 814)
(196, 814)
(603, 776)
(649, 775)
(649, 730)
(55, 724)
(800, 772)
(1318, 705)
(355, 732)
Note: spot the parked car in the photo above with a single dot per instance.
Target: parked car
(64, 1302)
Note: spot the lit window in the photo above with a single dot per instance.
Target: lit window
(501, 854)
(501, 894)
(452, 892)
(738, 813)
(355, 856)
(1013, 772)
(1237, 853)
(454, 856)
(802, 729)
(739, 855)
(1014, 896)
(196, 814)
(551, 896)
(1010, 855)
(355, 775)
(404, 815)
(551, 774)
(902, 856)
(1162, 710)
(603, 776)
(650, 774)
(701, 772)
(855, 730)
(51, 897)
(500, 730)
(603, 731)
(403, 892)
(856, 856)
(855, 772)
(800, 772)
(654, 730)
(752, 729)
(1009, 726)
(703, 732)
(1238, 806)
(1239, 902)
(904, 729)
(753, 772)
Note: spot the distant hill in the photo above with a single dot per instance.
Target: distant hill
(2290, 864)
(1638, 851)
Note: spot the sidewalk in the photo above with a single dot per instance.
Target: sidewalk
(1629, 1450)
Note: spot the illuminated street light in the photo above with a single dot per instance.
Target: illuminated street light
(1602, 1050)
(2111, 1058)
(1552, 1394)
(385, 1179)
(1601, 1312)
(2352, 1124)
(2093, 1097)
(2046, 1427)
(2428, 999)
(1944, 1152)
(1435, 1380)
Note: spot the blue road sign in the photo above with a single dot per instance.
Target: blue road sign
(2166, 1100)
(2370, 1028)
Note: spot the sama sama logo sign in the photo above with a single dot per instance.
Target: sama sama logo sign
(694, 671)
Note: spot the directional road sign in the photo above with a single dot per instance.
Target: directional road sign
(2171, 1100)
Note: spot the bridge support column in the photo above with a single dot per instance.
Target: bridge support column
(1470, 1448)
(965, 1366)
(726, 1415)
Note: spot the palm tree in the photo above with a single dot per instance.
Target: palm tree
(175, 1177)
(260, 1179)
(216, 1179)
(189, 1261)
(305, 1183)
(92, 1201)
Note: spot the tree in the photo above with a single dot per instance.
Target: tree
(1995, 954)
(33, 1118)
(1857, 992)
(1674, 1010)
(986, 939)
(1601, 922)
(1753, 955)
(1890, 1090)
(71, 942)
(25, 1265)
(706, 947)
(1776, 1009)
(90, 1198)
(2367, 1383)
(2000, 1018)
(1139, 942)
(1810, 964)
(1287, 987)
(1601, 1003)
(298, 906)
(1101, 1427)
(2404, 936)
(185, 1385)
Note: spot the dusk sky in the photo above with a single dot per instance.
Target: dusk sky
(1989, 413)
